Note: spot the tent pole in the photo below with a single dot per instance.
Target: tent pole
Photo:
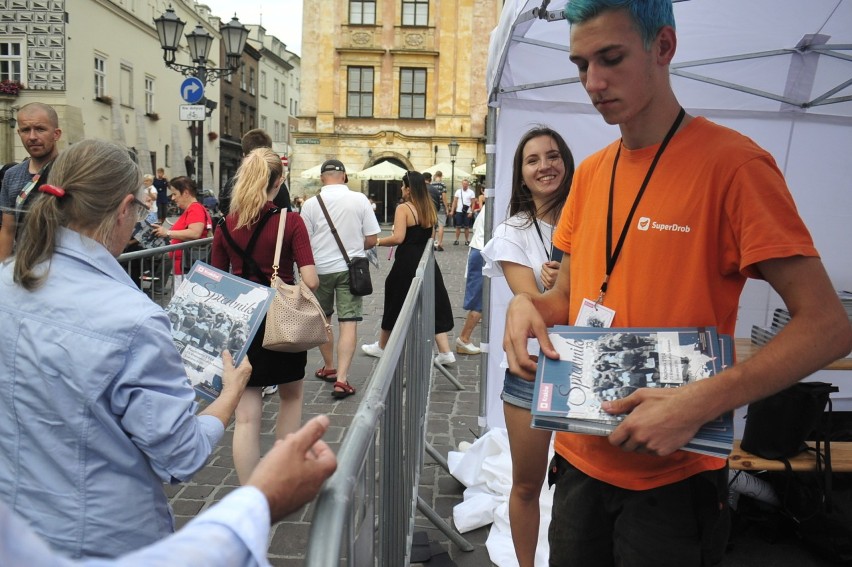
(490, 165)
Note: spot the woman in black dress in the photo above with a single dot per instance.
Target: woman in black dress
(413, 222)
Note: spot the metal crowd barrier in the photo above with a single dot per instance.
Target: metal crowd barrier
(365, 513)
(151, 269)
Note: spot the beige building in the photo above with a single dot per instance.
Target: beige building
(392, 81)
(278, 88)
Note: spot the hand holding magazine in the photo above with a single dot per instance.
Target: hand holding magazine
(210, 312)
(597, 365)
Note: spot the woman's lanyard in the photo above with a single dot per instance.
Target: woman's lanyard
(612, 256)
(541, 237)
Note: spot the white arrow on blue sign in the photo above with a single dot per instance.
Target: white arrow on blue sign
(191, 90)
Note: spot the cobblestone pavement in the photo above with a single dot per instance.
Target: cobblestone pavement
(453, 417)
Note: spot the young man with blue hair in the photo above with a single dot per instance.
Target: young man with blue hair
(663, 227)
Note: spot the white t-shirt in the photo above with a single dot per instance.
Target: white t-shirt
(353, 217)
(463, 198)
(516, 240)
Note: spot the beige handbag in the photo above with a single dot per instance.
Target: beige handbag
(295, 321)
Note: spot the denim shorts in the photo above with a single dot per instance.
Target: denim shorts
(473, 283)
(517, 391)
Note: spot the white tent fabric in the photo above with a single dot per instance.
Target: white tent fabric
(447, 169)
(314, 172)
(779, 71)
(384, 171)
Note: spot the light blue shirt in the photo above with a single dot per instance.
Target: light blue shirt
(232, 533)
(95, 409)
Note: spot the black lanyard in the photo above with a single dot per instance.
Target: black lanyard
(541, 237)
(612, 256)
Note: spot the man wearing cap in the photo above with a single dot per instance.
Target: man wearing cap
(357, 228)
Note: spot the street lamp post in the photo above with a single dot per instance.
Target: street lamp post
(234, 35)
(454, 150)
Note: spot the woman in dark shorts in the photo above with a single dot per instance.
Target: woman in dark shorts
(252, 209)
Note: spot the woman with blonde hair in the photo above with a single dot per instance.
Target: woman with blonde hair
(413, 222)
(244, 242)
(85, 465)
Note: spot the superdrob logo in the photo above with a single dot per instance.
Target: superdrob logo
(645, 224)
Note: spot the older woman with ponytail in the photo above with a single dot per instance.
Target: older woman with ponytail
(245, 244)
(96, 412)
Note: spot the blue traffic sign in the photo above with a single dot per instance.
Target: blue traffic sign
(191, 90)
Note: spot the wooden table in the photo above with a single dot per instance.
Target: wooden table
(841, 459)
(745, 349)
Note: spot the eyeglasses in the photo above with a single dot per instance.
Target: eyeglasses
(143, 209)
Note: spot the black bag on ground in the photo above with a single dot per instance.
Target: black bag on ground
(777, 426)
(359, 276)
(816, 505)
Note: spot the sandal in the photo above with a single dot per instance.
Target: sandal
(345, 390)
(326, 374)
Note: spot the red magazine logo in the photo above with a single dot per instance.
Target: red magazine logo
(545, 397)
(212, 274)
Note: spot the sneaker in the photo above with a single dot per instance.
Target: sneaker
(268, 390)
(455, 243)
(444, 358)
(373, 349)
(466, 348)
(439, 248)
(467, 243)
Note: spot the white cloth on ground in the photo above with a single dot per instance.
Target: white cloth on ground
(485, 468)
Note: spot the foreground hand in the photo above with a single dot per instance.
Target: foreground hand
(522, 322)
(235, 378)
(549, 271)
(660, 420)
(293, 471)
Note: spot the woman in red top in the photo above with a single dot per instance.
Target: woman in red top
(192, 224)
(252, 210)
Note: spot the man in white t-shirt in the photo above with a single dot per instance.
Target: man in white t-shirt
(462, 201)
(357, 227)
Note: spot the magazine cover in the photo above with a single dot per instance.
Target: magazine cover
(212, 311)
(597, 365)
(143, 233)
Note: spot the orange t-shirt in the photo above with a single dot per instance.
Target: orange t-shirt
(715, 206)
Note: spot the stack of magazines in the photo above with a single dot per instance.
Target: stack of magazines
(762, 335)
(597, 365)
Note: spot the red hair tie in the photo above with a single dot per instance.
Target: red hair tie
(57, 192)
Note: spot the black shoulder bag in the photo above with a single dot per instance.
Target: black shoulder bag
(818, 506)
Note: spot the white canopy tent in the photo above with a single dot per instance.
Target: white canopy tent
(779, 71)
(449, 172)
(382, 171)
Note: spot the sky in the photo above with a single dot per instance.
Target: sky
(281, 18)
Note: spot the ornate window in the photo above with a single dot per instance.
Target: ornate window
(415, 12)
(359, 92)
(362, 12)
(412, 93)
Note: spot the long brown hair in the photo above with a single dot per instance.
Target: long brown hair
(420, 198)
(521, 200)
